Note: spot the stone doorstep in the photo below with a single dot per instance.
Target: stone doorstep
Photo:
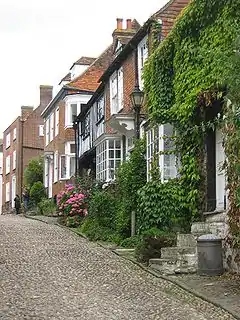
(175, 252)
(124, 252)
(186, 240)
(215, 216)
(200, 228)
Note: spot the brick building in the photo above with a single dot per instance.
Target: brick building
(112, 119)
(23, 140)
(60, 150)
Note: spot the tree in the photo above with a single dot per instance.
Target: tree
(34, 172)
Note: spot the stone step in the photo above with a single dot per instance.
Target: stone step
(186, 240)
(124, 252)
(175, 252)
(173, 266)
(200, 228)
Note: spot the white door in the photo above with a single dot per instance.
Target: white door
(13, 190)
(220, 172)
(50, 178)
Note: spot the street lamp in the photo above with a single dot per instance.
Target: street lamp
(137, 97)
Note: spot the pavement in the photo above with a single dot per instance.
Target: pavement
(47, 272)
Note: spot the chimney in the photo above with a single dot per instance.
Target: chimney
(45, 96)
(119, 23)
(25, 112)
(129, 24)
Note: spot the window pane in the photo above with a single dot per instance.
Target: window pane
(63, 167)
(72, 148)
(117, 144)
(111, 144)
(73, 111)
(118, 154)
(72, 166)
(111, 154)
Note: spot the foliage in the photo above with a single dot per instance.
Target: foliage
(152, 242)
(131, 176)
(37, 192)
(232, 143)
(162, 206)
(183, 79)
(131, 242)
(47, 207)
(73, 221)
(33, 172)
(72, 202)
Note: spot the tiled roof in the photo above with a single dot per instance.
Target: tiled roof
(85, 61)
(169, 13)
(66, 78)
(88, 80)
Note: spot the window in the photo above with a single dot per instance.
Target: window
(85, 126)
(100, 109)
(56, 166)
(14, 133)
(57, 122)
(116, 91)
(72, 148)
(63, 167)
(14, 160)
(73, 111)
(51, 126)
(7, 164)
(46, 170)
(47, 131)
(8, 140)
(7, 192)
(142, 57)
(41, 130)
(160, 148)
(72, 166)
(108, 158)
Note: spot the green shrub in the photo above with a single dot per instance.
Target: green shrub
(103, 205)
(151, 243)
(131, 242)
(47, 207)
(37, 192)
(94, 231)
(73, 222)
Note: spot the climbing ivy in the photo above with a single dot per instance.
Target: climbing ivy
(185, 77)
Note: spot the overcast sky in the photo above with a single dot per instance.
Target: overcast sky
(40, 39)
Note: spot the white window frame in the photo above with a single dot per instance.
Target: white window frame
(7, 189)
(14, 133)
(8, 164)
(8, 140)
(46, 171)
(57, 122)
(51, 127)
(55, 176)
(155, 146)
(116, 91)
(142, 57)
(63, 177)
(68, 113)
(41, 130)
(47, 126)
(106, 164)
(14, 160)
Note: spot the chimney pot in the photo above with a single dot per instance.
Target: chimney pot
(129, 24)
(119, 23)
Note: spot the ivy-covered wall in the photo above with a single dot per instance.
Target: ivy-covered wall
(186, 76)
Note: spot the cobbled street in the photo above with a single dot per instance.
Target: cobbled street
(47, 272)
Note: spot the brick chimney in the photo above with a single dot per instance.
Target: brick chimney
(125, 34)
(45, 96)
(25, 112)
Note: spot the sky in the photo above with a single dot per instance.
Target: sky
(40, 39)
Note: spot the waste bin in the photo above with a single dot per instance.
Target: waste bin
(210, 260)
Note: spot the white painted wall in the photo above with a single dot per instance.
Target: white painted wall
(77, 70)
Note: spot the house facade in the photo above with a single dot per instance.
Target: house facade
(22, 141)
(60, 149)
(1, 173)
(110, 115)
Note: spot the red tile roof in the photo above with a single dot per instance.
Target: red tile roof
(169, 13)
(88, 81)
(85, 61)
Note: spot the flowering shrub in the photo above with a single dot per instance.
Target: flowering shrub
(72, 202)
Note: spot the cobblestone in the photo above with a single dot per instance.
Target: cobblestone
(46, 272)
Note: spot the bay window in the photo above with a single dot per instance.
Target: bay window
(108, 159)
(161, 148)
(116, 91)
